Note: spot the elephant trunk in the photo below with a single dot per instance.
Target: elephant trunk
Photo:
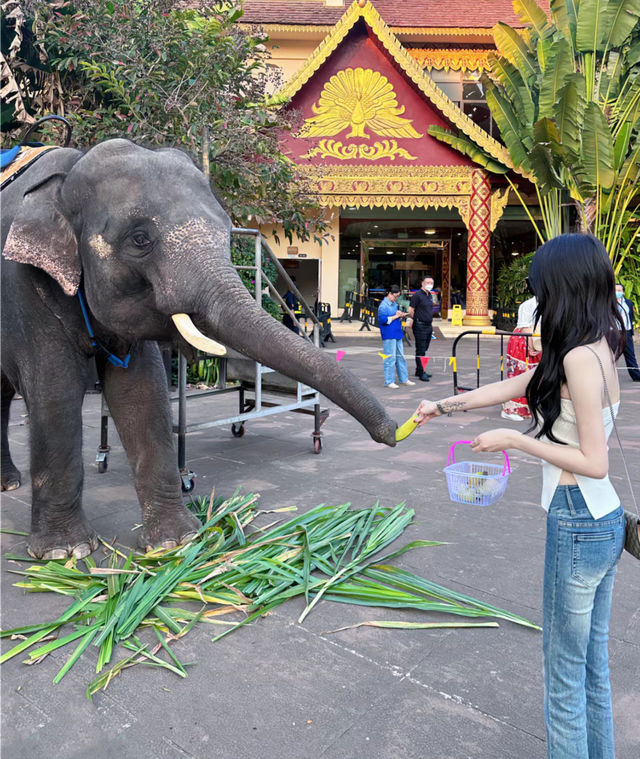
(233, 317)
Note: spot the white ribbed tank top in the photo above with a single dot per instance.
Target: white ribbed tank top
(599, 494)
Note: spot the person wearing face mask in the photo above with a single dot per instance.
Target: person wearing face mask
(626, 311)
(421, 318)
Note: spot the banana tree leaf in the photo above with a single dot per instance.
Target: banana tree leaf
(629, 173)
(633, 55)
(545, 132)
(514, 48)
(564, 14)
(515, 86)
(590, 27)
(618, 21)
(626, 107)
(516, 135)
(621, 145)
(543, 169)
(532, 15)
(469, 148)
(559, 67)
(596, 157)
(569, 112)
(543, 50)
(610, 77)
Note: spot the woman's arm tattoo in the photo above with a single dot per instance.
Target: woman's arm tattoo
(448, 407)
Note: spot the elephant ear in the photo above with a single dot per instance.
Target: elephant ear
(41, 235)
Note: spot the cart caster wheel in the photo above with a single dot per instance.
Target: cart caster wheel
(188, 482)
(102, 458)
(237, 430)
(317, 445)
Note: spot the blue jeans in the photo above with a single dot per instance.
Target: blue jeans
(580, 565)
(395, 362)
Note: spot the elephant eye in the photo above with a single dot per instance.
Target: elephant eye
(140, 239)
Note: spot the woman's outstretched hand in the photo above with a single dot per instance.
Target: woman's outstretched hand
(426, 411)
(496, 440)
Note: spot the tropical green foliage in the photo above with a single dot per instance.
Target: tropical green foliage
(326, 553)
(565, 95)
(162, 76)
(511, 286)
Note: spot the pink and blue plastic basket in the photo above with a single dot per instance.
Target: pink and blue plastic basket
(476, 482)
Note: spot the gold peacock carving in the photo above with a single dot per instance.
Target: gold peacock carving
(358, 99)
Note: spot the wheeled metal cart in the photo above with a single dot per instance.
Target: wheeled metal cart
(257, 398)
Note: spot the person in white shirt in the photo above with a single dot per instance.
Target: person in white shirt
(574, 396)
(626, 311)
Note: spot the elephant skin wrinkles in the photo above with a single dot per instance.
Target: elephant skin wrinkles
(148, 239)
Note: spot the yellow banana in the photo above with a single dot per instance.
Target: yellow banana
(404, 430)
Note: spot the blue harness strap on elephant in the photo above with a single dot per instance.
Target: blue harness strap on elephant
(97, 344)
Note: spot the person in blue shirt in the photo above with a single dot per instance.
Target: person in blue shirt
(390, 323)
(626, 311)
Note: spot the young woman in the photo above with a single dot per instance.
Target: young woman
(568, 394)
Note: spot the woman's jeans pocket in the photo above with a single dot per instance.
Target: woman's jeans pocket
(593, 555)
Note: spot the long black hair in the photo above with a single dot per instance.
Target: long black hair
(573, 281)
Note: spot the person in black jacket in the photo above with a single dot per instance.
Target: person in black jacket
(421, 312)
(291, 301)
(626, 311)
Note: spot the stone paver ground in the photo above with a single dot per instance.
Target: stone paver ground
(278, 689)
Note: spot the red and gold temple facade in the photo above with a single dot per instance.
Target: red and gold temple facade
(400, 203)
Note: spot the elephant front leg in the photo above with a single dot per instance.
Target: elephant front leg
(138, 401)
(59, 527)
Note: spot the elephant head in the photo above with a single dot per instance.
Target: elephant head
(146, 237)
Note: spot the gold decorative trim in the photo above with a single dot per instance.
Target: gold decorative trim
(392, 180)
(435, 31)
(443, 31)
(461, 202)
(499, 200)
(324, 28)
(405, 186)
(385, 172)
(456, 60)
(391, 43)
(335, 149)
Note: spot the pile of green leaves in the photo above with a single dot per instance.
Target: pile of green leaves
(326, 553)
(163, 76)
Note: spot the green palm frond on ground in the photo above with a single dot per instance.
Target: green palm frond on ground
(329, 553)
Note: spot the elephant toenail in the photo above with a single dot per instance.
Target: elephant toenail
(187, 537)
(56, 553)
(168, 544)
(81, 550)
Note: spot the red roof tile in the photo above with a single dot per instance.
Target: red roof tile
(404, 13)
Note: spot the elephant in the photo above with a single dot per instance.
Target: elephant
(138, 239)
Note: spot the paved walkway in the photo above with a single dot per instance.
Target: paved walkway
(279, 690)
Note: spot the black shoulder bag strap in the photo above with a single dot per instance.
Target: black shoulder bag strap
(632, 541)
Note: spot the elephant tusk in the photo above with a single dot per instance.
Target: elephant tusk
(194, 337)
